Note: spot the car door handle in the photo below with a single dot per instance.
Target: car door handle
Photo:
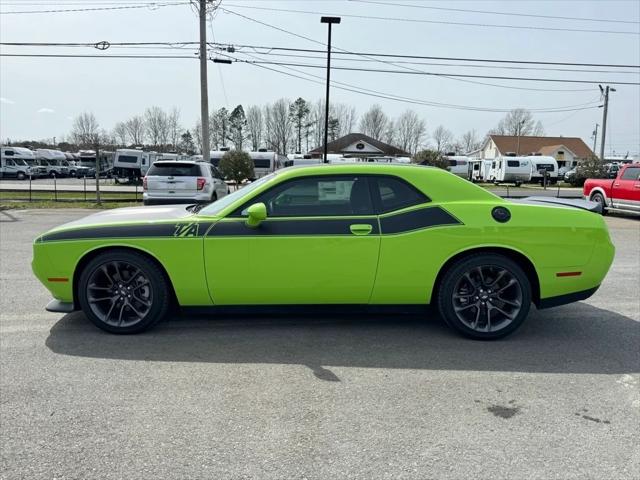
(616, 184)
(361, 229)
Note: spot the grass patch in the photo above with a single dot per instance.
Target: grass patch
(41, 204)
(49, 196)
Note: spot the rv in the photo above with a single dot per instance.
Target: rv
(540, 164)
(132, 164)
(459, 165)
(479, 170)
(265, 162)
(298, 159)
(54, 161)
(88, 159)
(511, 170)
(15, 162)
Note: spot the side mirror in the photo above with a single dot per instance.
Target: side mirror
(257, 213)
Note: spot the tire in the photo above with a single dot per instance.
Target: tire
(52, 174)
(126, 287)
(484, 280)
(599, 198)
(214, 197)
(21, 176)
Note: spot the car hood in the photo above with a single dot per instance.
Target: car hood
(130, 215)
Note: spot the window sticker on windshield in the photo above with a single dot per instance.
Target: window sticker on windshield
(331, 191)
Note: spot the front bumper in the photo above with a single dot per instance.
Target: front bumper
(59, 307)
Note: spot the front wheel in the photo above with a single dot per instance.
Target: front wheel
(123, 292)
(484, 296)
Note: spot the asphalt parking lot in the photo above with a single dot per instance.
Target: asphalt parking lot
(318, 397)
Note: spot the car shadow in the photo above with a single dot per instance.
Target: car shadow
(578, 338)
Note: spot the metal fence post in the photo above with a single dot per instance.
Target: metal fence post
(85, 187)
(29, 187)
(55, 188)
(136, 191)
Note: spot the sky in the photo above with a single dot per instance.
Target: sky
(39, 97)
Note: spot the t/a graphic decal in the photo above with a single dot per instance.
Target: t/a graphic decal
(186, 230)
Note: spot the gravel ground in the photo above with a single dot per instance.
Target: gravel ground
(318, 397)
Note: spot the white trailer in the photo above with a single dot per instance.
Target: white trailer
(459, 165)
(541, 164)
(479, 170)
(511, 170)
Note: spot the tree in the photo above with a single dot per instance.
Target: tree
(136, 129)
(186, 143)
(299, 113)
(196, 134)
(85, 131)
(333, 128)
(346, 116)
(237, 127)
(592, 167)
(157, 126)
(374, 122)
(255, 126)
(442, 139)
(175, 130)
(469, 141)
(219, 128)
(236, 165)
(410, 131)
(120, 133)
(432, 158)
(278, 125)
(518, 122)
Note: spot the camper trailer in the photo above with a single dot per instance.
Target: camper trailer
(132, 164)
(540, 165)
(458, 165)
(265, 162)
(511, 169)
(479, 170)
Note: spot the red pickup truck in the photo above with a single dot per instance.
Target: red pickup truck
(622, 193)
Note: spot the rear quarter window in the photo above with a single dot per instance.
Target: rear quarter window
(174, 170)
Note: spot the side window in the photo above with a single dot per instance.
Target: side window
(631, 174)
(9, 161)
(9, 153)
(513, 163)
(329, 195)
(396, 194)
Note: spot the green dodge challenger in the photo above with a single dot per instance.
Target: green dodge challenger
(359, 234)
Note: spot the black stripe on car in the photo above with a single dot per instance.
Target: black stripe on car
(417, 220)
(180, 229)
(292, 227)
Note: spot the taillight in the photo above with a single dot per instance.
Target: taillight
(144, 183)
(201, 182)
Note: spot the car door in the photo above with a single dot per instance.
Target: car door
(626, 189)
(219, 185)
(318, 245)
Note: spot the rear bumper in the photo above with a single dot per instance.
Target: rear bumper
(172, 201)
(567, 298)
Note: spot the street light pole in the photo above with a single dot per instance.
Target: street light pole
(330, 21)
(204, 93)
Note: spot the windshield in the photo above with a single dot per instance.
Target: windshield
(216, 207)
(21, 162)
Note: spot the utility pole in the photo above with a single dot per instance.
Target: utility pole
(330, 21)
(605, 91)
(595, 137)
(204, 93)
(520, 125)
(97, 147)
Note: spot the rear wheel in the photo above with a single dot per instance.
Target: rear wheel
(123, 292)
(484, 296)
(599, 198)
(21, 176)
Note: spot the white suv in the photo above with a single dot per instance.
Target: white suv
(182, 181)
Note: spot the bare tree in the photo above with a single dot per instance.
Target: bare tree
(219, 127)
(238, 127)
(374, 122)
(278, 125)
(136, 129)
(410, 131)
(120, 133)
(196, 133)
(175, 129)
(518, 122)
(390, 133)
(157, 125)
(469, 141)
(85, 131)
(442, 139)
(346, 116)
(255, 126)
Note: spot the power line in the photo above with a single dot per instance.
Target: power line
(441, 22)
(60, 55)
(149, 6)
(446, 75)
(178, 44)
(405, 100)
(509, 14)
